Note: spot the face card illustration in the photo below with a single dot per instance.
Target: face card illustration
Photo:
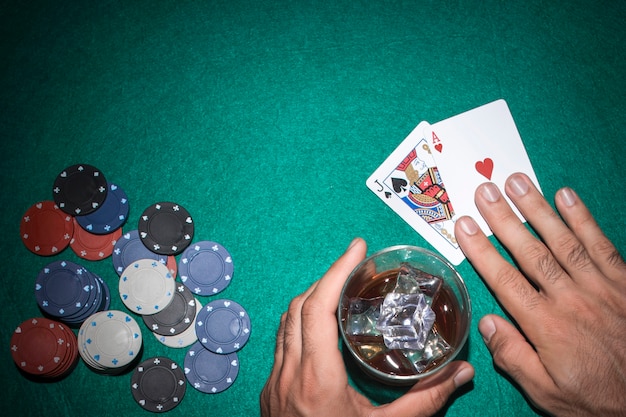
(474, 147)
(409, 182)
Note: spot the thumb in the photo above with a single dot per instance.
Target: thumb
(514, 354)
(431, 393)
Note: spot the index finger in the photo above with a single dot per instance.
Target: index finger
(320, 308)
(510, 287)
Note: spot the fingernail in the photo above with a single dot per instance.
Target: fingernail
(518, 185)
(490, 192)
(354, 242)
(468, 225)
(487, 328)
(568, 196)
(464, 376)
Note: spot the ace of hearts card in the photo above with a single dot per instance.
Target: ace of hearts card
(429, 180)
(479, 145)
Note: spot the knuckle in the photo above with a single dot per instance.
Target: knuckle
(525, 293)
(616, 260)
(543, 262)
(613, 258)
(280, 333)
(438, 397)
(310, 308)
(577, 255)
(294, 306)
(290, 325)
(506, 276)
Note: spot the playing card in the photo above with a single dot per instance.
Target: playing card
(409, 182)
(477, 146)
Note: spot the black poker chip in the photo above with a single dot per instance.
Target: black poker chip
(158, 384)
(177, 316)
(79, 189)
(166, 228)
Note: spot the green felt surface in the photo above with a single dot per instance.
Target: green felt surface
(264, 119)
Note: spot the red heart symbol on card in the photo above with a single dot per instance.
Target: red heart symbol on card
(439, 146)
(485, 167)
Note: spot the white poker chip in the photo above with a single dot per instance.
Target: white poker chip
(146, 286)
(109, 340)
(186, 338)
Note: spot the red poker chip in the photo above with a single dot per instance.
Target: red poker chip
(93, 247)
(45, 229)
(172, 265)
(44, 347)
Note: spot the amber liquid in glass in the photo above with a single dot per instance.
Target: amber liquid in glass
(391, 361)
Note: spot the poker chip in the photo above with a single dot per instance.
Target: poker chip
(172, 265)
(106, 294)
(223, 326)
(109, 341)
(166, 228)
(176, 317)
(62, 288)
(206, 268)
(129, 249)
(110, 216)
(44, 348)
(146, 286)
(158, 384)
(91, 246)
(210, 372)
(184, 339)
(79, 189)
(45, 229)
(70, 293)
(87, 214)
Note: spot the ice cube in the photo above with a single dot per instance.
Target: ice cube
(434, 348)
(411, 279)
(406, 319)
(362, 316)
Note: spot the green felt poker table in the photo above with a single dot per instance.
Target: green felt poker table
(264, 119)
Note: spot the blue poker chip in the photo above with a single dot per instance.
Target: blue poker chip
(63, 289)
(223, 326)
(129, 248)
(100, 301)
(210, 372)
(93, 302)
(110, 216)
(206, 268)
(106, 291)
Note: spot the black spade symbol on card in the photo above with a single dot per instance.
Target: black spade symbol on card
(398, 184)
(387, 194)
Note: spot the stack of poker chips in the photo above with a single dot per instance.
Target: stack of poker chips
(70, 293)
(44, 348)
(110, 342)
(86, 213)
(212, 363)
(171, 324)
(174, 325)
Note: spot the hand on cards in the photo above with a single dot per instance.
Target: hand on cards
(430, 178)
(567, 299)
